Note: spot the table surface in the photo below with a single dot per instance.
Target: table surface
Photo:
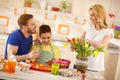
(39, 75)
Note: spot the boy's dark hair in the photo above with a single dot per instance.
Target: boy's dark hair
(44, 29)
(23, 19)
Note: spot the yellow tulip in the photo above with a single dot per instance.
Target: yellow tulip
(65, 44)
(86, 45)
(95, 53)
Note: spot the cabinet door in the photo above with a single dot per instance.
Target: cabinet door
(110, 66)
(117, 75)
(2, 46)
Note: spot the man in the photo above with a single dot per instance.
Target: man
(19, 42)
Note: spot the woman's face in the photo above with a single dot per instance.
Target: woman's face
(92, 17)
(45, 38)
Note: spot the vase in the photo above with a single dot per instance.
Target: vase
(81, 64)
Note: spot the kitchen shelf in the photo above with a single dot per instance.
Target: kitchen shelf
(49, 5)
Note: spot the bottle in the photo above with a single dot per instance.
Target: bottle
(43, 4)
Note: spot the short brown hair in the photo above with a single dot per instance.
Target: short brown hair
(44, 29)
(23, 19)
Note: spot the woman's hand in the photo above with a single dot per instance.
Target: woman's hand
(87, 40)
(72, 48)
(94, 43)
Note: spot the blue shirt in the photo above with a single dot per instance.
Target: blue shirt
(18, 39)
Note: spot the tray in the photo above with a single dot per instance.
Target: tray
(41, 67)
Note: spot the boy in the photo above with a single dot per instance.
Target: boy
(47, 49)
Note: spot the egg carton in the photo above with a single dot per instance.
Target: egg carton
(22, 66)
(69, 72)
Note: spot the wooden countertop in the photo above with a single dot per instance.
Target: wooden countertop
(38, 75)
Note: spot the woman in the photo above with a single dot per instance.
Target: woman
(98, 35)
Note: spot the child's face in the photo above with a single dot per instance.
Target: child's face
(45, 38)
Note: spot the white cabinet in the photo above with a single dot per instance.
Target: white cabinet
(117, 76)
(2, 46)
(111, 61)
(3, 39)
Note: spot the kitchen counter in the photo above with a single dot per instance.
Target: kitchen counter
(113, 48)
(39, 75)
(3, 36)
(115, 42)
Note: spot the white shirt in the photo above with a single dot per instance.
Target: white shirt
(96, 63)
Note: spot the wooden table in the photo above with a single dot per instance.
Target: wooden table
(39, 75)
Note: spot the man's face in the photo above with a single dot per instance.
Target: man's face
(31, 26)
(45, 38)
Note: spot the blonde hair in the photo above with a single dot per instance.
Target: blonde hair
(100, 15)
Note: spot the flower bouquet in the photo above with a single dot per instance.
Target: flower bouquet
(83, 50)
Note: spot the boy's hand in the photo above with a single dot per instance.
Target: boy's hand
(49, 62)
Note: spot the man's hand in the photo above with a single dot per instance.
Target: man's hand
(36, 41)
(34, 54)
